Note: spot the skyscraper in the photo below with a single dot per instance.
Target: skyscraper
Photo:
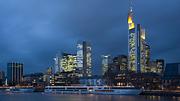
(143, 50)
(68, 62)
(105, 63)
(14, 73)
(138, 50)
(132, 54)
(57, 64)
(2, 77)
(84, 59)
(147, 69)
(80, 59)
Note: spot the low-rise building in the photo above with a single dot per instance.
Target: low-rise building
(92, 81)
(171, 77)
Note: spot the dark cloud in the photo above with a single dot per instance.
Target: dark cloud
(33, 31)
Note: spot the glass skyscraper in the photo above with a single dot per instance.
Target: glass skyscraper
(138, 52)
(132, 49)
(57, 64)
(141, 49)
(84, 66)
(14, 73)
(105, 63)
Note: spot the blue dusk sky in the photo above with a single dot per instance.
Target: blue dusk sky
(33, 31)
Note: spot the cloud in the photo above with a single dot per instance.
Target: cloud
(33, 31)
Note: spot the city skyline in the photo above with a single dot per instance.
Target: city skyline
(34, 36)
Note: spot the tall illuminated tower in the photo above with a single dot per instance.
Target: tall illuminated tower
(143, 50)
(84, 59)
(138, 50)
(132, 60)
(105, 63)
(80, 59)
(137, 46)
(57, 65)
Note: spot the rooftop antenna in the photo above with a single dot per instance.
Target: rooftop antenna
(130, 5)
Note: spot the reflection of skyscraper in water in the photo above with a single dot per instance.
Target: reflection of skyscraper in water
(84, 67)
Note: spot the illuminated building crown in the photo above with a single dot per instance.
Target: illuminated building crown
(130, 18)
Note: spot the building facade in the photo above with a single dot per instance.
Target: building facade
(147, 68)
(105, 63)
(68, 62)
(84, 63)
(57, 64)
(172, 69)
(171, 77)
(92, 81)
(120, 62)
(143, 50)
(33, 79)
(160, 64)
(132, 54)
(14, 73)
(2, 75)
(157, 66)
(2, 78)
(138, 50)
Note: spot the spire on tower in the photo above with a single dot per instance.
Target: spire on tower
(130, 16)
(130, 5)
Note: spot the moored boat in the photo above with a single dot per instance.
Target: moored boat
(117, 90)
(105, 90)
(21, 89)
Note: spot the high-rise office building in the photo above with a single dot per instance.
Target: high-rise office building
(138, 51)
(143, 50)
(2, 78)
(80, 59)
(57, 64)
(68, 62)
(2, 75)
(132, 51)
(84, 64)
(147, 68)
(14, 73)
(105, 63)
(120, 62)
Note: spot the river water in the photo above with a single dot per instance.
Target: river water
(76, 97)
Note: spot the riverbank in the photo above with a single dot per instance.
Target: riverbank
(161, 93)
